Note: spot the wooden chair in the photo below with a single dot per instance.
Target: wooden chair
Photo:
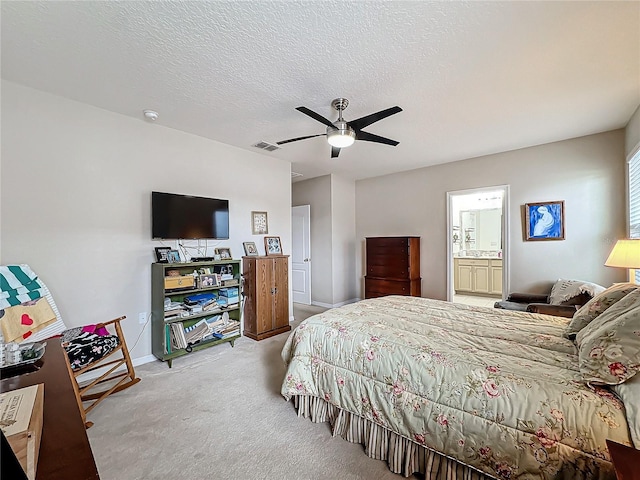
(93, 391)
(90, 349)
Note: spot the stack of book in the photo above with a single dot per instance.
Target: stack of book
(230, 329)
(174, 310)
(211, 328)
(196, 332)
(228, 296)
(178, 339)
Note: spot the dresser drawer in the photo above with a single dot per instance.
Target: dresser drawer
(392, 266)
(388, 271)
(377, 287)
(381, 250)
(388, 245)
(387, 287)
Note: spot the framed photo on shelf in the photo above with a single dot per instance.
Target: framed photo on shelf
(173, 256)
(544, 220)
(250, 249)
(209, 280)
(272, 246)
(161, 254)
(225, 253)
(259, 224)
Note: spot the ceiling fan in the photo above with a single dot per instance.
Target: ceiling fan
(341, 134)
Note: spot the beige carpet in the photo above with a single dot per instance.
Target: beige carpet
(218, 414)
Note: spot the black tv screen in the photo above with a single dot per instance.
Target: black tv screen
(175, 217)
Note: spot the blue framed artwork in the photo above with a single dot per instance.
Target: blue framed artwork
(544, 220)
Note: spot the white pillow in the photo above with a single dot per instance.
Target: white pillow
(565, 290)
(629, 393)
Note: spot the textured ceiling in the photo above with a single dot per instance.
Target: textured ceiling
(473, 78)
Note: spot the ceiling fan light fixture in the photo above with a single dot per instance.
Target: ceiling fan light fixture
(341, 134)
(341, 137)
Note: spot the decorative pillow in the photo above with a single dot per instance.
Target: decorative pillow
(20, 322)
(596, 306)
(609, 347)
(629, 393)
(87, 348)
(572, 291)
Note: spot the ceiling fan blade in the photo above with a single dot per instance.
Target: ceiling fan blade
(316, 116)
(335, 151)
(374, 117)
(300, 138)
(370, 137)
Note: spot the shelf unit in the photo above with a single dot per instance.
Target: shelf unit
(160, 326)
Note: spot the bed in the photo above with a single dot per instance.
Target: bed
(455, 391)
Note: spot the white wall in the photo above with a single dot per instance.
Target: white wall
(343, 207)
(75, 196)
(588, 173)
(333, 266)
(316, 192)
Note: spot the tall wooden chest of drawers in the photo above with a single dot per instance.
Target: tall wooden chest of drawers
(393, 266)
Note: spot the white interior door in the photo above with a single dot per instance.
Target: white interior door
(301, 254)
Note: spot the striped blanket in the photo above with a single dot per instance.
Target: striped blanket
(19, 284)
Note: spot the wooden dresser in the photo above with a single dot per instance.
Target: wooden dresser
(266, 290)
(393, 267)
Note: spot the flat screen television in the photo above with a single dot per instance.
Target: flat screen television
(175, 217)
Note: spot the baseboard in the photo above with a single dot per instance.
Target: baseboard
(142, 360)
(335, 305)
(320, 304)
(346, 302)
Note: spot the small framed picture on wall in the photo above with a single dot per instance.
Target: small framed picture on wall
(259, 224)
(544, 220)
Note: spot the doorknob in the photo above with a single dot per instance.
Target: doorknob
(307, 260)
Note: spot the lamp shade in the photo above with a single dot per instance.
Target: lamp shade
(625, 254)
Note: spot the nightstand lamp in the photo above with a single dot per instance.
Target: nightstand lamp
(625, 254)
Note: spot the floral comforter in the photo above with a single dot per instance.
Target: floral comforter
(496, 390)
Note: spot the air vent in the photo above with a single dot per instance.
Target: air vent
(269, 147)
(295, 174)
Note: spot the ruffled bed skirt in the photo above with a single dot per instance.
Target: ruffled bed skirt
(402, 455)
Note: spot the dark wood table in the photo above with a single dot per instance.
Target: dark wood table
(65, 452)
(626, 461)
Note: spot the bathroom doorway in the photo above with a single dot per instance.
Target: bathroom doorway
(477, 245)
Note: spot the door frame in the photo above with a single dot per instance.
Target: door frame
(306, 212)
(505, 236)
